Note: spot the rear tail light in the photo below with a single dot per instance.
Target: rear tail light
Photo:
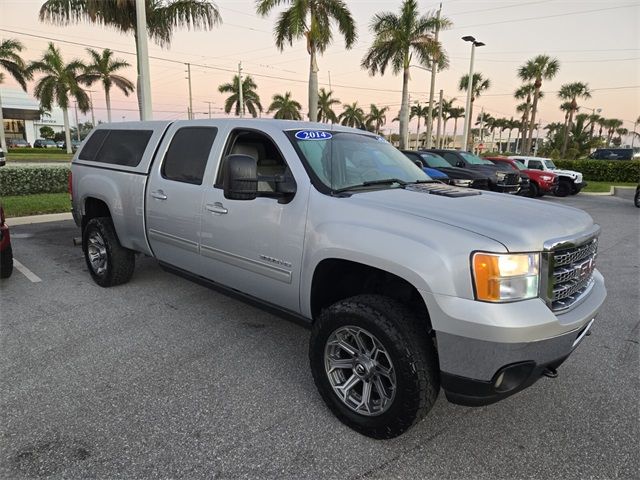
(70, 186)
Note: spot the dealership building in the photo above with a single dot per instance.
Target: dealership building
(23, 117)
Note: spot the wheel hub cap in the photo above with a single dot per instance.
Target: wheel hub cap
(360, 370)
(97, 253)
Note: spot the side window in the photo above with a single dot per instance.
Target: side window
(91, 148)
(186, 157)
(270, 161)
(450, 158)
(535, 164)
(123, 147)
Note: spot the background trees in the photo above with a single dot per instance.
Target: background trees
(58, 84)
(376, 118)
(325, 106)
(103, 68)
(12, 63)
(311, 19)
(571, 92)
(250, 97)
(399, 39)
(352, 116)
(284, 107)
(478, 85)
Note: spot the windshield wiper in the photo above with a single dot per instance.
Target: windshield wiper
(383, 181)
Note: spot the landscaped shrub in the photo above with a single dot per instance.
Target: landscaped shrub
(604, 170)
(29, 180)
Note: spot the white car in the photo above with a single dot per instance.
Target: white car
(2, 159)
(570, 182)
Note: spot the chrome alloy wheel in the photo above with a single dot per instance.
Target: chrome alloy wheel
(97, 252)
(360, 370)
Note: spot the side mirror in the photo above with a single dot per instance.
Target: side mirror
(460, 164)
(419, 164)
(240, 177)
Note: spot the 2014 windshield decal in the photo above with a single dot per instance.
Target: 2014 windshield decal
(313, 135)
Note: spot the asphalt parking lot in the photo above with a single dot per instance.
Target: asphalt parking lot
(165, 378)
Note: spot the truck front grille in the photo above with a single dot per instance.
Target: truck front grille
(508, 179)
(571, 273)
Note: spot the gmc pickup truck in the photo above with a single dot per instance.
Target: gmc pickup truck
(409, 286)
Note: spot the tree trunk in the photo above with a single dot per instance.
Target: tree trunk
(3, 140)
(566, 133)
(107, 97)
(404, 110)
(418, 132)
(455, 131)
(67, 132)
(313, 86)
(565, 136)
(532, 122)
(493, 139)
(135, 37)
(508, 141)
(444, 135)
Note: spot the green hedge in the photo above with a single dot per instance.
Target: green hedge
(29, 180)
(604, 170)
(50, 151)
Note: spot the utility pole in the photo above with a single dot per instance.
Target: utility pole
(144, 80)
(439, 140)
(190, 97)
(93, 117)
(209, 107)
(482, 125)
(432, 89)
(75, 106)
(240, 99)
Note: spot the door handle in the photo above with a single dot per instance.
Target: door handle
(216, 208)
(159, 195)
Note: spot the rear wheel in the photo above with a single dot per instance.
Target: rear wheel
(374, 365)
(636, 199)
(6, 262)
(109, 262)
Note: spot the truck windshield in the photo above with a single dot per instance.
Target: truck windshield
(434, 161)
(474, 159)
(344, 160)
(550, 165)
(519, 164)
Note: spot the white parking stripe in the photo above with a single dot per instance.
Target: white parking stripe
(33, 278)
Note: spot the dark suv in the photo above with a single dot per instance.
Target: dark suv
(499, 180)
(612, 154)
(459, 177)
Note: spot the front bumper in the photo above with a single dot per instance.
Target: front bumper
(478, 341)
(579, 186)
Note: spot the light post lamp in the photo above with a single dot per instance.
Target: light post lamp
(467, 121)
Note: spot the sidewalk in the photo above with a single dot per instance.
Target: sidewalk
(52, 217)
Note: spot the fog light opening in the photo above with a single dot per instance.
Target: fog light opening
(512, 376)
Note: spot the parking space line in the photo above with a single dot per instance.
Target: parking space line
(33, 278)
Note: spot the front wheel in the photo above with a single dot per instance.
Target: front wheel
(534, 190)
(373, 365)
(636, 199)
(563, 189)
(109, 262)
(6, 262)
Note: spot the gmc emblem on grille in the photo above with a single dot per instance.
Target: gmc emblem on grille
(586, 269)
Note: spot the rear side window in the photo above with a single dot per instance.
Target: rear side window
(116, 147)
(91, 148)
(186, 157)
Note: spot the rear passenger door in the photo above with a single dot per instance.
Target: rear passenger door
(175, 193)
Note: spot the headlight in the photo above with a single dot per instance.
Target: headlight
(459, 182)
(505, 277)
(546, 178)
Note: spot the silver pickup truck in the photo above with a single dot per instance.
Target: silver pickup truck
(408, 285)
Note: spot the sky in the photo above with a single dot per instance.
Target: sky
(596, 41)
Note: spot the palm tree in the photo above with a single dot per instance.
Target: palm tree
(398, 39)
(537, 69)
(478, 85)
(484, 120)
(611, 125)
(12, 63)
(103, 69)
(325, 104)
(447, 105)
(250, 98)
(311, 19)
(352, 116)
(376, 118)
(419, 111)
(162, 16)
(571, 92)
(455, 113)
(285, 107)
(510, 125)
(525, 92)
(621, 133)
(59, 84)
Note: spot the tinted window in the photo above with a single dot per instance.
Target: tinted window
(450, 157)
(123, 147)
(187, 155)
(90, 149)
(535, 164)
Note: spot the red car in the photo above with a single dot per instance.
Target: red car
(6, 255)
(541, 182)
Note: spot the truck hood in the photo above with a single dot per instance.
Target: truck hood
(568, 173)
(520, 224)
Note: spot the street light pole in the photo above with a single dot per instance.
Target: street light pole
(432, 88)
(144, 82)
(468, 120)
(240, 99)
(190, 97)
(209, 107)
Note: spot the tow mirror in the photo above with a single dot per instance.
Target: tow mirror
(240, 177)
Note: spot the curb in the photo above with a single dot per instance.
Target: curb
(596, 194)
(52, 217)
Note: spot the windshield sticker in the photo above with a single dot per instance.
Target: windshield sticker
(313, 135)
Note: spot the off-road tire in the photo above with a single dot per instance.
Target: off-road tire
(411, 350)
(6, 262)
(563, 189)
(636, 198)
(120, 261)
(534, 190)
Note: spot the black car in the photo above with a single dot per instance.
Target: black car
(460, 177)
(525, 181)
(499, 180)
(636, 197)
(612, 154)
